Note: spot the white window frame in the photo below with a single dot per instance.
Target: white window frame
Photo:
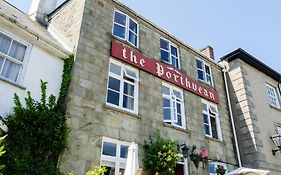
(273, 96)
(216, 166)
(205, 80)
(21, 63)
(217, 119)
(170, 53)
(172, 98)
(127, 28)
(122, 81)
(117, 159)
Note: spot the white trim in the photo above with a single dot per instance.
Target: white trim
(205, 72)
(217, 119)
(23, 64)
(174, 119)
(117, 160)
(122, 82)
(127, 28)
(170, 44)
(273, 97)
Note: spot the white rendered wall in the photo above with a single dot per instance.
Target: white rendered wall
(40, 65)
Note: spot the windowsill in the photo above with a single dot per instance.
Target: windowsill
(128, 44)
(13, 83)
(274, 107)
(175, 127)
(122, 111)
(206, 84)
(213, 139)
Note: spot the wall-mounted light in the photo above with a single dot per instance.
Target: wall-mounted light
(276, 139)
(184, 149)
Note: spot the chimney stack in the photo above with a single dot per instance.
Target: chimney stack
(208, 51)
(39, 10)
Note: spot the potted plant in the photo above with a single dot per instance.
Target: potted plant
(220, 170)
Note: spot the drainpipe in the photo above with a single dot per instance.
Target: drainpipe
(225, 69)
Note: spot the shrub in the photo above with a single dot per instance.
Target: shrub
(160, 156)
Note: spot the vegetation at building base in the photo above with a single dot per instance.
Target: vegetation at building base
(98, 170)
(2, 151)
(37, 132)
(160, 156)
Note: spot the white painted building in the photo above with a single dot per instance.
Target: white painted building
(28, 53)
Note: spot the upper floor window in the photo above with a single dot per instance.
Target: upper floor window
(204, 72)
(211, 120)
(272, 96)
(173, 106)
(113, 155)
(122, 88)
(169, 53)
(125, 28)
(12, 55)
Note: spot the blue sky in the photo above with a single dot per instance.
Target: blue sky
(226, 25)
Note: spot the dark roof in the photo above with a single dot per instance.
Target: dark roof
(251, 60)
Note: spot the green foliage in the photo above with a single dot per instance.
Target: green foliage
(2, 151)
(96, 171)
(160, 156)
(66, 78)
(220, 170)
(37, 135)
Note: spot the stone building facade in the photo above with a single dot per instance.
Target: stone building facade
(255, 97)
(131, 80)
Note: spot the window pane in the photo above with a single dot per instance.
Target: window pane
(179, 122)
(165, 56)
(165, 90)
(177, 94)
(124, 151)
(166, 102)
(207, 130)
(205, 117)
(167, 114)
(129, 89)
(11, 70)
(17, 51)
(133, 39)
(128, 102)
(115, 69)
(207, 69)
(178, 108)
(113, 97)
(212, 168)
(114, 84)
(119, 31)
(133, 26)
(214, 127)
(204, 106)
(1, 62)
(175, 62)
(109, 149)
(174, 51)
(120, 18)
(201, 75)
(164, 44)
(5, 42)
(131, 74)
(199, 64)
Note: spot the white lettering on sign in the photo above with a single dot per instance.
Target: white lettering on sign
(133, 57)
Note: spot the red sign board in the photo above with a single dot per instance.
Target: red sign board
(163, 71)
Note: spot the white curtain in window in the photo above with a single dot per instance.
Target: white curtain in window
(10, 70)
(17, 50)
(4, 43)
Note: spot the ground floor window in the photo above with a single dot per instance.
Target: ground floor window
(213, 166)
(113, 155)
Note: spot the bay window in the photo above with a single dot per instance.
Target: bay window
(122, 87)
(173, 106)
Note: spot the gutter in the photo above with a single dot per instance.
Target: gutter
(225, 69)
